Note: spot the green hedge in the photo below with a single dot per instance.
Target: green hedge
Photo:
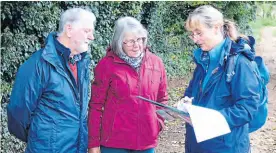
(25, 25)
(169, 38)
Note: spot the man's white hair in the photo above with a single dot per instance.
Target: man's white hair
(75, 16)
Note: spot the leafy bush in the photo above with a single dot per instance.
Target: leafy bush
(168, 38)
(25, 25)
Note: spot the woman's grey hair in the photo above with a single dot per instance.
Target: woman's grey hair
(210, 17)
(75, 16)
(124, 25)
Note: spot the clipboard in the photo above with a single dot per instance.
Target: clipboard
(168, 113)
(207, 123)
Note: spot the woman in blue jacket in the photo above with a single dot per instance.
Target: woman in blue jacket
(236, 100)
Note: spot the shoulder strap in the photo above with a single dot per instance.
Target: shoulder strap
(230, 66)
(263, 70)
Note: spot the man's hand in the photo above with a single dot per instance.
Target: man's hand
(94, 150)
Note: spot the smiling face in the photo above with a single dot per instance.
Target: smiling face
(133, 44)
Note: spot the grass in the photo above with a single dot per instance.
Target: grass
(258, 24)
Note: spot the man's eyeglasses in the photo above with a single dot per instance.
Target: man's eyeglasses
(195, 35)
(131, 42)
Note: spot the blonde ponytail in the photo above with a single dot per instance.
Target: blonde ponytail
(230, 30)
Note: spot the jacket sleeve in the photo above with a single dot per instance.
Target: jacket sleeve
(162, 96)
(245, 91)
(25, 95)
(99, 91)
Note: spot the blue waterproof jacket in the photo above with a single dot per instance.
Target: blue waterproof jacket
(237, 100)
(47, 110)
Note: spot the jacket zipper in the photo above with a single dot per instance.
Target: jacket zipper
(139, 93)
(201, 85)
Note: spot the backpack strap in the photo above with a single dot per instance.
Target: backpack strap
(236, 49)
(264, 72)
(231, 62)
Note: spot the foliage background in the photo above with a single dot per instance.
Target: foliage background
(25, 25)
(265, 16)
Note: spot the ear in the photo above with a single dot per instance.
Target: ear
(68, 30)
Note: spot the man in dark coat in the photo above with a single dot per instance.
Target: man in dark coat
(49, 100)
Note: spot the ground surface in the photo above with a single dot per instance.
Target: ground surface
(262, 141)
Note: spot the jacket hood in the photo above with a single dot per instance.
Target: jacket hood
(246, 47)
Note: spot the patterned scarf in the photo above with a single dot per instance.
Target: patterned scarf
(135, 62)
(74, 59)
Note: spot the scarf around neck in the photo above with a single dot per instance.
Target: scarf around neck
(135, 62)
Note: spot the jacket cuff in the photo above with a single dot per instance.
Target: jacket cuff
(92, 144)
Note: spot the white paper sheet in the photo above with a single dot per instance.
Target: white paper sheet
(207, 123)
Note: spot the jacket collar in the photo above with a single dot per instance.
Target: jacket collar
(50, 54)
(61, 49)
(226, 51)
(216, 54)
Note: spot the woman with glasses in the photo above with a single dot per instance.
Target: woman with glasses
(237, 99)
(119, 122)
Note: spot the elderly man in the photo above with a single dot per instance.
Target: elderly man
(49, 100)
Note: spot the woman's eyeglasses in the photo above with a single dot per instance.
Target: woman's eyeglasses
(195, 35)
(131, 42)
